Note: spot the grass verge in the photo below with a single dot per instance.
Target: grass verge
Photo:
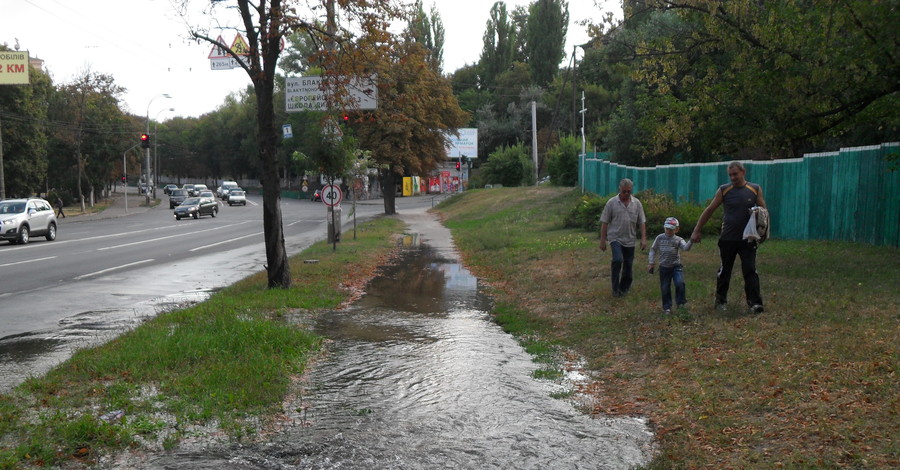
(226, 362)
(811, 383)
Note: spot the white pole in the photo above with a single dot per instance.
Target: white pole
(583, 149)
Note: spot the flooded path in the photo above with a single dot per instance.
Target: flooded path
(418, 376)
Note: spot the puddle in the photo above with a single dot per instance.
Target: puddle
(418, 376)
(33, 354)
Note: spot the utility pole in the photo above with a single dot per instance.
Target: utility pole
(2, 177)
(534, 140)
(583, 149)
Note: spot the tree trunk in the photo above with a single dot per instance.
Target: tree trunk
(279, 272)
(389, 191)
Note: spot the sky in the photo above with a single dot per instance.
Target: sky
(145, 45)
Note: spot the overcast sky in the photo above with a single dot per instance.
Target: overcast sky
(143, 44)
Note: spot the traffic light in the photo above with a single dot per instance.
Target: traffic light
(123, 179)
(457, 165)
(145, 141)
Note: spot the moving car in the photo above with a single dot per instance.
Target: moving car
(167, 189)
(198, 188)
(317, 195)
(206, 193)
(222, 191)
(237, 196)
(189, 187)
(21, 218)
(176, 197)
(196, 207)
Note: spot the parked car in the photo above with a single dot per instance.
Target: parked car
(21, 218)
(176, 197)
(198, 188)
(226, 186)
(317, 195)
(167, 189)
(196, 207)
(237, 196)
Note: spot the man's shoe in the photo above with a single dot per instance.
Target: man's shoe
(722, 306)
(667, 311)
(757, 309)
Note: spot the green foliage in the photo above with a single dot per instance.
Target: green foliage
(499, 49)
(509, 166)
(548, 21)
(562, 161)
(657, 207)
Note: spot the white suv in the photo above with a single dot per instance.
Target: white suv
(21, 218)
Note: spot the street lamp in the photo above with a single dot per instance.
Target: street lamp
(147, 154)
(155, 144)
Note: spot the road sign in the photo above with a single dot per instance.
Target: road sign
(332, 195)
(288, 132)
(306, 94)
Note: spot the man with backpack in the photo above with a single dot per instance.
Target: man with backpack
(739, 198)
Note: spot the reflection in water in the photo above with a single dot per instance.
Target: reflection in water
(419, 377)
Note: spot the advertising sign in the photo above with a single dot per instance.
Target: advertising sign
(14, 68)
(466, 144)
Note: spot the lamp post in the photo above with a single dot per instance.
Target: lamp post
(125, 175)
(155, 144)
(147, 153)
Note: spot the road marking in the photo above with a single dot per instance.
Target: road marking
(112, 269)
(151, 240)
(28, 261)
(224, 242)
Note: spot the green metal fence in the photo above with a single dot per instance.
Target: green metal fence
(851, 195)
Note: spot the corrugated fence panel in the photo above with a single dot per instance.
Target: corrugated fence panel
(849, 195)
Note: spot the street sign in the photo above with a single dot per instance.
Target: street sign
(14, 68)
(306, 94)
(288, 132)
(332, 195)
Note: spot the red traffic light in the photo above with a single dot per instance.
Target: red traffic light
(145, 141)
(457, 165)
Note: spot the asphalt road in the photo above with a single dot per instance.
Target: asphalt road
(128, 261)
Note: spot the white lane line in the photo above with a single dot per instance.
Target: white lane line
(226, 241)
(152, 240)
(112, 269)
(28, 261)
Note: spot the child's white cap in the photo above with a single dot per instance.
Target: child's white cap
(671, 223)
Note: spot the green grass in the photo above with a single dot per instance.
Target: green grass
(227, 361)
(811, 383)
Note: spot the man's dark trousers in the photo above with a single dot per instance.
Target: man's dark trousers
(728, 251)
(622, 261)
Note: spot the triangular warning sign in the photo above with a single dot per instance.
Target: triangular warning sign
(217, 52)
(239, 45)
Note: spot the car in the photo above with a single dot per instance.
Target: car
(22, 218)
(237, 196)
(226, 186)
(189, 187)
(206, 193)
(317, 195)
(198, 188)
(177, 196)
(227, 194)
(167, 189)
(196, 207)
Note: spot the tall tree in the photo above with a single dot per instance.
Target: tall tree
(22, 110)
(428, 30)
(548, 22)
(264, 23)
(499, 49)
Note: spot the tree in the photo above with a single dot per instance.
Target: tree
(428, 30)
(548, 21)
(22, 110)
(563, 161)
(408, 133)
(499, 50)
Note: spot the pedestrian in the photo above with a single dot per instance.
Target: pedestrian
(59, 208)
(622, 215)
(668, 245)
(739, 199)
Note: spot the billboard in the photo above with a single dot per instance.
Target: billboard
(306, 94)
(14, 68)
(466, 144)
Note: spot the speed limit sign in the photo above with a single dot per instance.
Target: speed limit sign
(332, 195)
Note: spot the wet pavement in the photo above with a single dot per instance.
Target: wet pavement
(416, 375)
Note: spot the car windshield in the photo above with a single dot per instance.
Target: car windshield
(235, 192)
(179, 192)
(12, 207)
(191, 201)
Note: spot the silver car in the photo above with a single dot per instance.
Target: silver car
(21, 218)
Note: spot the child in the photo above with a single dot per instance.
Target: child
(668, 245)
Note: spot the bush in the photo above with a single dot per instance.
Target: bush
(509, 166)
(562, 162)
(657, 207)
